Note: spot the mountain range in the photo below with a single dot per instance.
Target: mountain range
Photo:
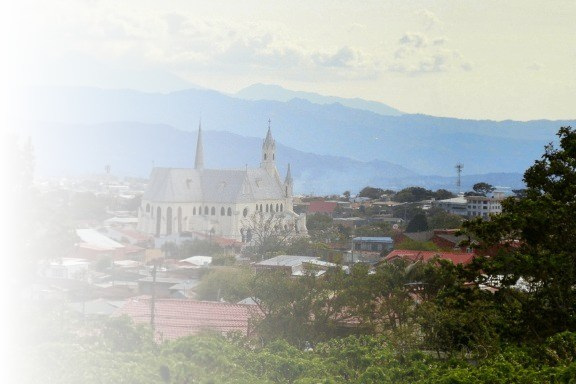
(332, 144)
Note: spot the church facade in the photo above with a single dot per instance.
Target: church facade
(219, 202)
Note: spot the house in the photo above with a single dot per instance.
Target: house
(322, 207)
(369, 249)
(94, 245)
(176, 318)
(456, 205)
(426, 256)
(296, 265)
(446, 239)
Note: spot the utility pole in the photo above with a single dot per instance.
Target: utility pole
(153, 299)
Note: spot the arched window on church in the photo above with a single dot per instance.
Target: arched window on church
(245, 212)
(158, 220)
(264, 156)
(213, 211)
(147, 208)
(169, 221)
(229, 211)
(276, 207)
(152, 211)
(281, 207)
(222, 211)
(261, 208)
(267, 208)
(179, 219)
(194, 211)
(206, 211)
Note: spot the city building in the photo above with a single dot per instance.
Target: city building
(481, 206)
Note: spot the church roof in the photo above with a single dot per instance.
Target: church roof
(212, 185)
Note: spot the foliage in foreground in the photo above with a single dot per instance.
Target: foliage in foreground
(211, 358)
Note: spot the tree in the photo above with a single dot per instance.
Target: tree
(371, 192)
(412, 194)
(482, 189)
(268, 233)
(534, 238)
(443, 194)
(440, 219)
(419, 223)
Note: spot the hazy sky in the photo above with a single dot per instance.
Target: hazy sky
(471, 59)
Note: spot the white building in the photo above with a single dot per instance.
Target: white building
(472, 206)
(218, 202)
(484, 206)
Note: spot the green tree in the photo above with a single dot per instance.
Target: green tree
(481, 189)
(371, 193)
(412, 194)
(440, 219)
(419, 223)
(534, 239)
(443, 194)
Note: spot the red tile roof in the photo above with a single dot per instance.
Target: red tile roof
(454, 257)
(175, 318)
(318, 206)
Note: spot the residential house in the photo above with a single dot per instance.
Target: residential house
(176, 318)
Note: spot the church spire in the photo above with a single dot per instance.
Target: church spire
(269, 154)
(288, 179)
(199, 162)
(288, 183)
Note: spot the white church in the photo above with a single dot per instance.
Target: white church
(218, 202)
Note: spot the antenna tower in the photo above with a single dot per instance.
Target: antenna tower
(459, 167)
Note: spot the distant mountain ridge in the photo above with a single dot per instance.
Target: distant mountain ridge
(278, 93)
(336, 144)
(133, 149)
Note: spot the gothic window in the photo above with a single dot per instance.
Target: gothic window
(229, 211)
(267, 208)
(261, 208)
(206, 210)
(213, 211)
(179, 219)
(222, 211)
(281, 207)
(194, 211)
(276, 207)
(147, 208)
(245, 212)
(264, 156)
(169, 221)
(158, 220)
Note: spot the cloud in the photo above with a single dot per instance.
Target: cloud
(429, 19)
(535, 67)
(416, 53)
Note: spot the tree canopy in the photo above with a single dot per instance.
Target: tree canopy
(533, 242)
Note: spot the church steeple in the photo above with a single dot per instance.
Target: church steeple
(199, 162)
(288, 183)
(269, 151)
